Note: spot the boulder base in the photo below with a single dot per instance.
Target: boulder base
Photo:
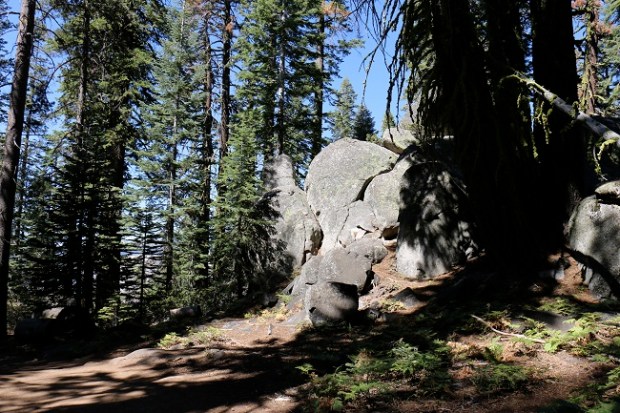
(331, 303)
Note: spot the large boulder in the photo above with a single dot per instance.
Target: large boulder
(35, 331)
(435, 233)
(296, 227)
(383, 197)
(594, 237)
(347, 267)
(309, 275)
(370, 248)
(360, 220)
(337, 177)
(331, 303)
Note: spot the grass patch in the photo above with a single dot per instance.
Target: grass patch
(194, 337)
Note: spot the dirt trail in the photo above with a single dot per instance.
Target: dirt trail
(238, 374)
(252, 367)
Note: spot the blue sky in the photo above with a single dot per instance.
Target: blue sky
(377, 79)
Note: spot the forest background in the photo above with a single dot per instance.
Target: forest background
(147, 125)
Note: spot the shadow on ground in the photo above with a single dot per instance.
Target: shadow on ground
(263, 376)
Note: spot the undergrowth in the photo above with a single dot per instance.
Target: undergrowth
(372, 373)
(194, 337)
(431, 360)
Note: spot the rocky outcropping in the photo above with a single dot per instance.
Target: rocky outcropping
(335, 186)
(296, 226)
(594, 236)
(331, 302)
(366, 198)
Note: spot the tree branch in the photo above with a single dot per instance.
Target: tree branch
(586, 120)
(503, 333)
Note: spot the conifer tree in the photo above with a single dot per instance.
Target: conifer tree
(143, 280)
(343, 118)
(106, 46)
(363, 124)
(609, 62)
(29, 194)
(464, 65)
(276, 50)
(174, 124)
(334, 26)
(10, 160)
(237, 246)
(6, 62)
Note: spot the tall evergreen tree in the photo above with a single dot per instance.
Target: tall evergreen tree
(276, 51)
(10, 160)
(464, 67)
(29, 194)
(363, 124)
(609, 62)
(177, 141)
(237, 249)
(333, 25)
(106, 46)
(6, 63)
(343, 117)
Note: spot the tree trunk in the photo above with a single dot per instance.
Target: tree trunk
(468, 111)
(317, 139)
(207, 153)
(281, 94)
(82, 276)
(172, 202)
(10, 162)
(226, 81)
(589, 86)
(561, 148)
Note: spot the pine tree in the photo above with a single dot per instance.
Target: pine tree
(143, 280)
(277, 51)
(6, 62)
(363, 124)
(333, 26)
(25, 273)
(343, 118)
(609, 62)
(461, 63)
(106, 49)
(237, 247)
(174, 120)
(10, 160)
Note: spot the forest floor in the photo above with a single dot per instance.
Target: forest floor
(470, 343)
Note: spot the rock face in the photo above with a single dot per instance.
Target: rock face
(338, 265)
(383, 197)
(296, 226)
(337, 178)
(594, 236)
(370, 248)
(434, 233)
(346, 267)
